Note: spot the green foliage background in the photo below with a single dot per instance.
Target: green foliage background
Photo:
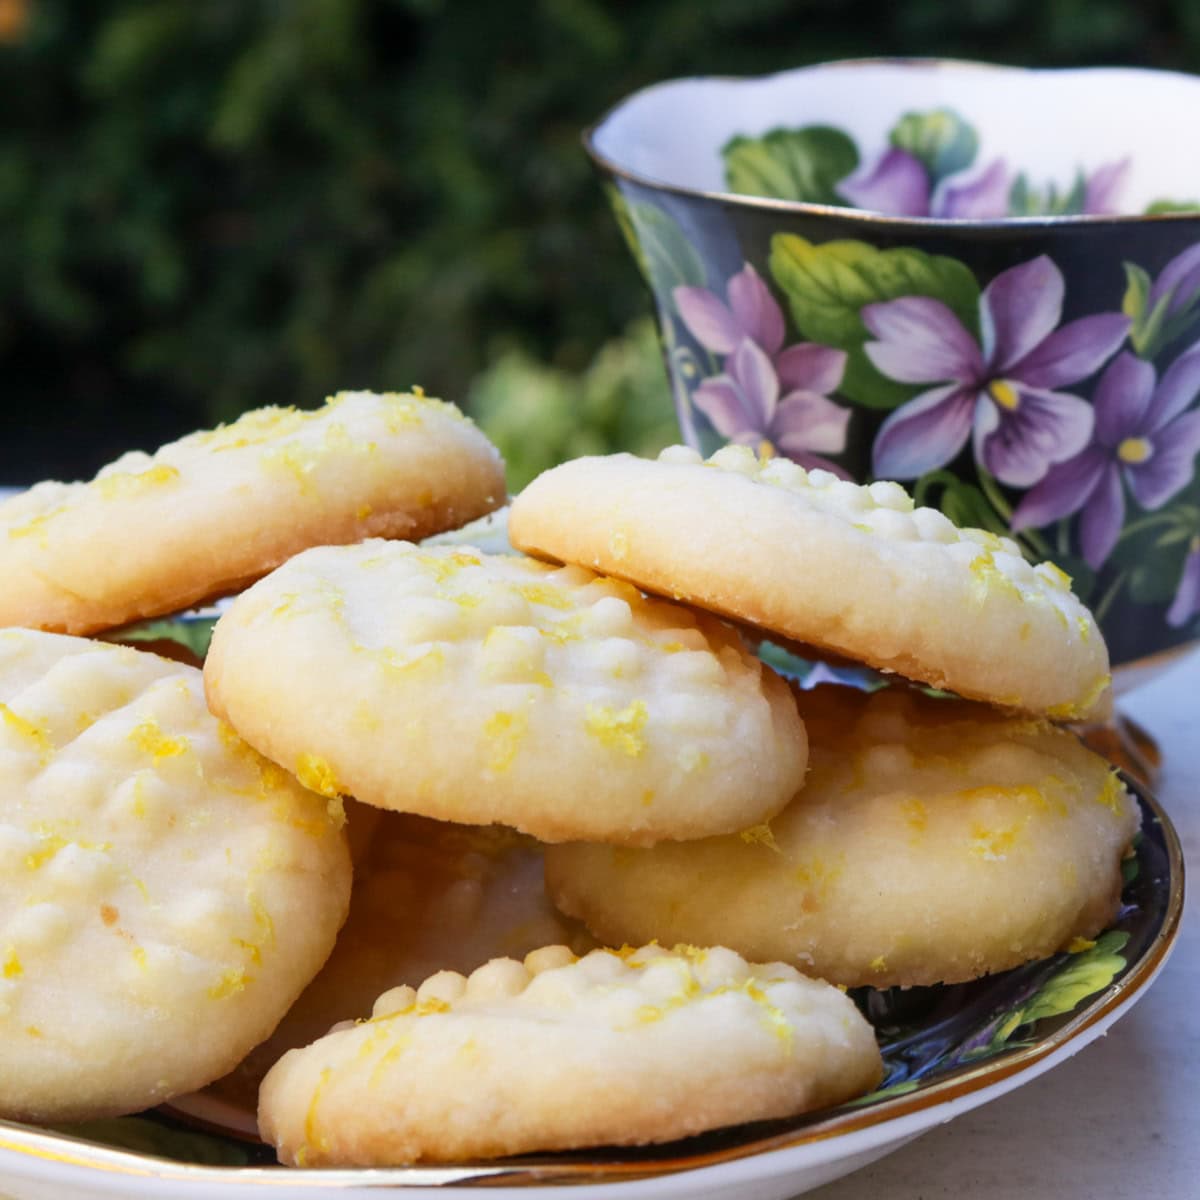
(207, 205)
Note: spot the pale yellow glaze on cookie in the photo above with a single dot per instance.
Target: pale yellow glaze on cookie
(934, 841)
(484, 688)
(167, 892)
(428, 896)
(853, 570)
(557, 1052)
(207, 514)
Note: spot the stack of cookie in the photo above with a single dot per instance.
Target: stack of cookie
(934, 840)
(166, 891)
(175, 870)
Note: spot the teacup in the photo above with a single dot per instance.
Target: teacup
(983, 282)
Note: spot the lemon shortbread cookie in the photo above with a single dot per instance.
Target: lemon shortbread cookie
(207, 514)
(852, 570)
(167, 891)
(613, 1048)
(427, 896)
(484, 688)
(934, 841)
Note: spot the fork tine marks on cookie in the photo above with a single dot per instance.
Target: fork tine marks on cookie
(159, 875)
(853, 570)
(205, 515)
(486, 688)
(558, 1052)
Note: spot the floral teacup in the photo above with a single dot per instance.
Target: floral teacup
(983, 282)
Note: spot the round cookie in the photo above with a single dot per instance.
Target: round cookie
(167, 891)
(851, 570)
(483, 688)
(934, 841)
(205, 515)
(427, 896)
(611, 1049)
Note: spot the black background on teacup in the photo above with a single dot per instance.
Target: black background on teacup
(726, 236)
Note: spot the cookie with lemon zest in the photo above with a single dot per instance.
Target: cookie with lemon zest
(207, 514)
(555, 1053)
(427, 896)
(160, 879)
(934, 841)
(852, 570)
(497, 689)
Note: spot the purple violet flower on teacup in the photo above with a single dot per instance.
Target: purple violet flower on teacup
(899, 184)
(767, 396)
(751, 312)
(1005, 390)
(1144, 435)
(780, 406)
(1187, 596)
(1103, 187)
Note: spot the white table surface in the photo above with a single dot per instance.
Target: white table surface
(1121, 1120)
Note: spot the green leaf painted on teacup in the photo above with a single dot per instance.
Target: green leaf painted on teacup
(1018, 196)
(1082, 975)
(1153, 329)
(1156, 579)
(1149, 329)
(1026, 200)
(1153, 548)
(964, 503)
(1134, 302)
(1171, 206)
(791, 164)
(660, 248)
(968, 508)
(1137, 291)
(666, 257)
(620, 210)
(827, 285)
(1074, 201)
(941, 139)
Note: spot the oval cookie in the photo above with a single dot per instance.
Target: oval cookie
(427, 896)
(205, 515)
(556, 1053)
(934, 841)
(852, 570)
(167, 891)
(484, 688)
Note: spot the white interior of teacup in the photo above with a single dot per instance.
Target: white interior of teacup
(1048, 124)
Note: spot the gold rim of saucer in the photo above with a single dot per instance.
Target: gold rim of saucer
(615, 1164)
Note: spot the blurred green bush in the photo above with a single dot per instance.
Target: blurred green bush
(540, 415)
(206, 206)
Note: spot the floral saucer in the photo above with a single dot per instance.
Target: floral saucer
(947, 1050)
